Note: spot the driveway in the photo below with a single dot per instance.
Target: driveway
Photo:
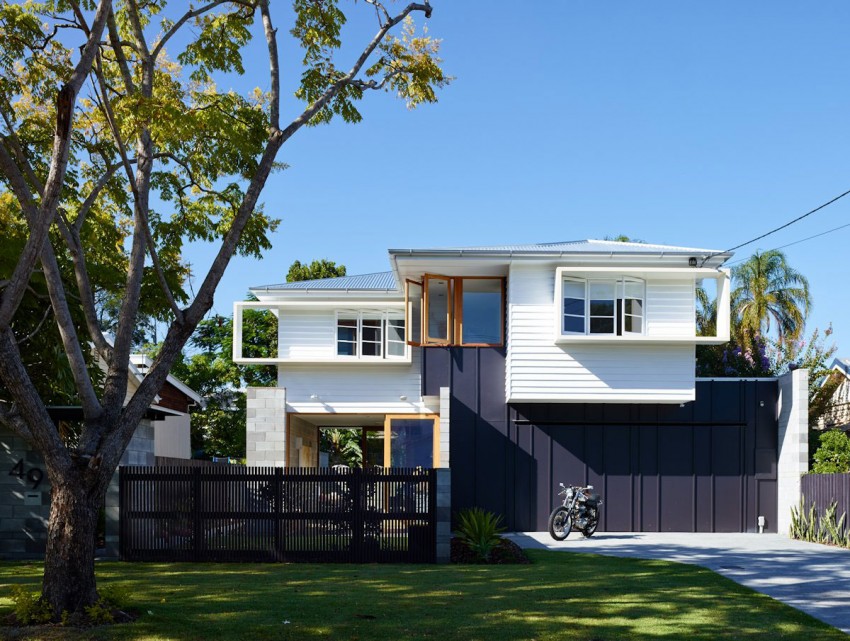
(810, 577)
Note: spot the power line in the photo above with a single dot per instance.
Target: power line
(802, 240)
(773, 231)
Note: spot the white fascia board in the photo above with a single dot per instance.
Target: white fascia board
(185, 389)
(327, 303)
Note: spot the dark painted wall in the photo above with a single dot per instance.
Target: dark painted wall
(709, 466)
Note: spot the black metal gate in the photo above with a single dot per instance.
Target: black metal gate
(276, 514)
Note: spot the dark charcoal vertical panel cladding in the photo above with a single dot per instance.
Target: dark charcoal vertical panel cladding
(462, 448)
(675, 470)
(491, 387)
(524, 516)
(650, 508)
(617, 488)
(704, 489)
(490, 453)
(728, 479)
(436, 370)
(767, 497)
(704, 466)
(542, 447)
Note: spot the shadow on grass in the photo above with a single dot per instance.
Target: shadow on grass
(560, 596)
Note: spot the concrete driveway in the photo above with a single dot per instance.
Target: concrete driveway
(810, 577)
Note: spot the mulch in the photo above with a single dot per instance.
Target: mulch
(505, 553)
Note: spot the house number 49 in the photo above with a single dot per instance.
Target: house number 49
(34, 476)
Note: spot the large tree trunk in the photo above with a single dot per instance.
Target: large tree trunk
(69, 582)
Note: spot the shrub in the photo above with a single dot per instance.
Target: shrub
(833, 455)
(115, 595)
(30, 608)
(479, 530)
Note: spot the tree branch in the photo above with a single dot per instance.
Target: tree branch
(117, 47)
(176, 26)
(40, 224)
(72, 239)
(274, 69)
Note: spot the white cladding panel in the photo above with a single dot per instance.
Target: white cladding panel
(307, 334)
(539, 370)
(352, 385)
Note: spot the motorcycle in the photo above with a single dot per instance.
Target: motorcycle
(579, 512)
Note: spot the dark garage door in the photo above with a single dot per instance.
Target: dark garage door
(706, 466)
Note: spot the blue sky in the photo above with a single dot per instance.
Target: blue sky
(702, 124)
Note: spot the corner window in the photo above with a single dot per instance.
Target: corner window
(453, 310)
(370, 335)
(602, 306)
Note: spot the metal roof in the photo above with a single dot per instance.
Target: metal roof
(571, 247)
(380, 281)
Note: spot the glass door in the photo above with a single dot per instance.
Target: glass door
(412, 441)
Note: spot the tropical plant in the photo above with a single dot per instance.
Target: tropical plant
(770, 298)
(479, 530)
(342, 445)
(118, 147)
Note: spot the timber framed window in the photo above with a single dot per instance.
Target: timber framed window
(452, 310)
(370, 335)
(602, 306)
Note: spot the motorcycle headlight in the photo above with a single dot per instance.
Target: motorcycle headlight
(570, 493)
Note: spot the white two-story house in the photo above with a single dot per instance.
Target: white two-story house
(523, 366)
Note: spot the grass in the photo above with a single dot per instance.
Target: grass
(559, 597)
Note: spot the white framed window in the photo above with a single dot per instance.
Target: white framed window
(370, 335)
(602, 306)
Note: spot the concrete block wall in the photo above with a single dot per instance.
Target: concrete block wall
(24, 506)
(266, 429)
(445, 425)
(444, 514)
(793, 420)
(25, 510)
(140, 451)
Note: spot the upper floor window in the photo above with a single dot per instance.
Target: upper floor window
(444, 310)
(365, 334)
(602, 306)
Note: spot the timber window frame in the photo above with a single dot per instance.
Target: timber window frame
(436, 306)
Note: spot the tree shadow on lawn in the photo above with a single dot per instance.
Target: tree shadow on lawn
(559, 596)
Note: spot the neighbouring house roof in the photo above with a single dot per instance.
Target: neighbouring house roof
(380, 281)
(842, 365)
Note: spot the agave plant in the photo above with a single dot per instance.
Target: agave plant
(479, 530)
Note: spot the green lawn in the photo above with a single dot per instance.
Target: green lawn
(559, 597)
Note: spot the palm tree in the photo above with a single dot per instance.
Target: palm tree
(770, 295)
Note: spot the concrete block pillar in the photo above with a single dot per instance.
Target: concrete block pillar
(444, 514)
(265, 442)
(445, 433)
(793, 462)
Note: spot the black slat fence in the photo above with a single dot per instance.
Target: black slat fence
(261, 514)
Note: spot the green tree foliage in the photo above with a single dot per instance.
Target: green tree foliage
(314, 271)
(769, 297)
(218, 426)
(342, 445)
(833, 455)
(119, 144)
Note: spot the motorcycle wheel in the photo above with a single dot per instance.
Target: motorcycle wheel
(560, 523)
(592, 522)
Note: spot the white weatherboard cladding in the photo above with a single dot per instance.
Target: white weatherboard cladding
(670, 308)
(539, 370)
(353, 387)
(307, 334)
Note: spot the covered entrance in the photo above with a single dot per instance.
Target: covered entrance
(364, 440)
